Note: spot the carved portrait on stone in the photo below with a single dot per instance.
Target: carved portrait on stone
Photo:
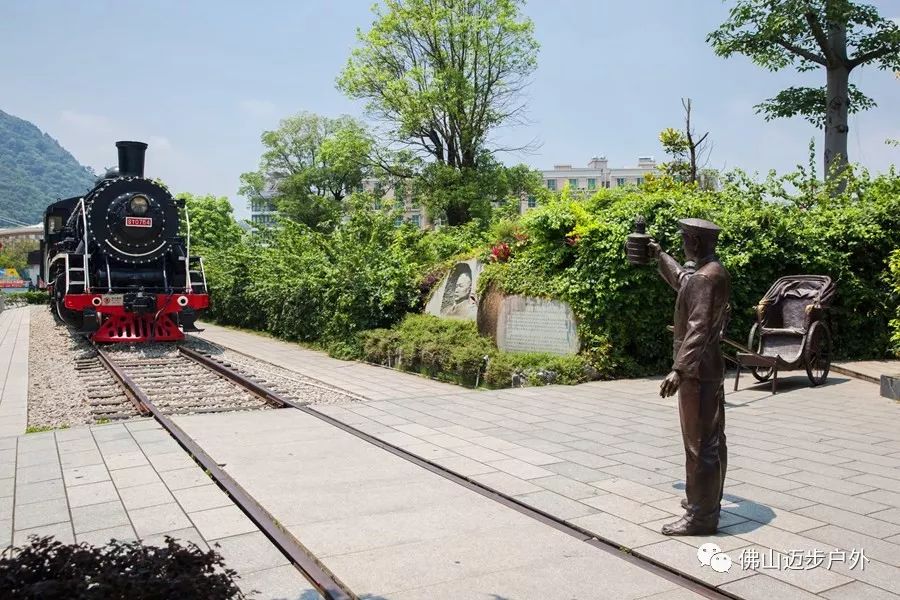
(459, 295)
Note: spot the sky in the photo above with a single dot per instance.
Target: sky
(200, 81)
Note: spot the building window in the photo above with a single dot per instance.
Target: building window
(532, 201)
(592, 184)
(398, 221)
(417, 220)
(573, 183)
(639, 180)
(551, 184)
(620, 181)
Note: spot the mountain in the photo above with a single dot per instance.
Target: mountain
(35, 171)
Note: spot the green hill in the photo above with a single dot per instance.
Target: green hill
(34, 171)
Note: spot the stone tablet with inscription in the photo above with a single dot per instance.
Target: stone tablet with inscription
(526, 324)
(454, 296)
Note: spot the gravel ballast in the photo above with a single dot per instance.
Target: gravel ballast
(57, 393)
(68, 386)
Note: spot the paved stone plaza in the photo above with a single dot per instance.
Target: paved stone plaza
(810, 470)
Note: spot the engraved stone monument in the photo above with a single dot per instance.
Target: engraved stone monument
(454, 296)
(528, 324)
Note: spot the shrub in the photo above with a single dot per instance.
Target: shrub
(537, 368)
(447, 349)
(452, 350)
(28, 298)
(49, 569)
(575, 252)
(894, 280)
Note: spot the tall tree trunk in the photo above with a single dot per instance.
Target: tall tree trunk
(457, 214)
(836, 120)
(837, 99)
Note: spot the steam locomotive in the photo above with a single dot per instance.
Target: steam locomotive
(115, 261)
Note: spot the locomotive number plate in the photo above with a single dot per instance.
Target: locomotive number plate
(112, 299)
(138, 222)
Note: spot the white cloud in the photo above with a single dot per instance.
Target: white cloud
(258, 109)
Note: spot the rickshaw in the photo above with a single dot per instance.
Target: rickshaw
(791, 331)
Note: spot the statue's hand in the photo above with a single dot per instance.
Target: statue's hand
(670, 384)
(654, 249)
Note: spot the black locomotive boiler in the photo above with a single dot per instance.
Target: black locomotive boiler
(115, 261)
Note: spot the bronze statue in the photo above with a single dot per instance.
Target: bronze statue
(698, 371)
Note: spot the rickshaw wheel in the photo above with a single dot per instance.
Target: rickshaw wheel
(760, 373)
(817, 352)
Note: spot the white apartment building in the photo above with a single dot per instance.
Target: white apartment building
(598, 175)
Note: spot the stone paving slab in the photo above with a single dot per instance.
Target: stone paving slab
(107, 496)
(806, 465)
(15, 324)
(390, 529)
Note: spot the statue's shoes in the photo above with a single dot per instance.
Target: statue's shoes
(684, 503)
(685, 526)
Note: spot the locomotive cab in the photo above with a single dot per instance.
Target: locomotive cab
(115, 262)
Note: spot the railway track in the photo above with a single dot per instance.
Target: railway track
(148, 385)
(133, 373)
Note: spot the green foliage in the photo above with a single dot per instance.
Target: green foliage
(46, 568)
(310, 164)
(43, 428)
(838, 35)
(894, 282)
(443, 75)
(35, 171)
(810, 103)
(302, 284)
(28, 297)
(466, 193)
(537, 368)
(452, 350)
(212, 223)
(14, 254)
(447, 349)
(575, 252)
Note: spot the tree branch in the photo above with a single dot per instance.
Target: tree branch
(811, 56)
(819, 35)
(868, 56)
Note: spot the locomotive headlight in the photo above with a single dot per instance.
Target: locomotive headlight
(139, 205)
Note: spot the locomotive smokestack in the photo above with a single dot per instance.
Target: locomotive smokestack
(131, 158)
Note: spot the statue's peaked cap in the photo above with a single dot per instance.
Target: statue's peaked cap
(700, 227)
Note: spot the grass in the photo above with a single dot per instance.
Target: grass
(42, 428)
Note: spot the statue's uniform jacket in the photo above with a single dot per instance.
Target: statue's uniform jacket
(701, 312)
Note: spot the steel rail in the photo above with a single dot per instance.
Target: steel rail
(632, 556)
(313, 570)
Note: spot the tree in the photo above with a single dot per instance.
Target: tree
(14, 253)
(445, 190)
(443, 74)
(808, 35)
(212, 222)
(310, 164)
(689, 152)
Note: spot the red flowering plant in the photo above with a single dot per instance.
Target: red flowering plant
(500, 252)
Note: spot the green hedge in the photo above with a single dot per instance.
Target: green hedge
(367, 274)
(574, 251)
(894, 281)
(452, 350)
(28, 297)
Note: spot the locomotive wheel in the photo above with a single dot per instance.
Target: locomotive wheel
(817, 352)
(760, 373)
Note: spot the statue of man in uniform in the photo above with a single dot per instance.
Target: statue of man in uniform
(698, 371)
